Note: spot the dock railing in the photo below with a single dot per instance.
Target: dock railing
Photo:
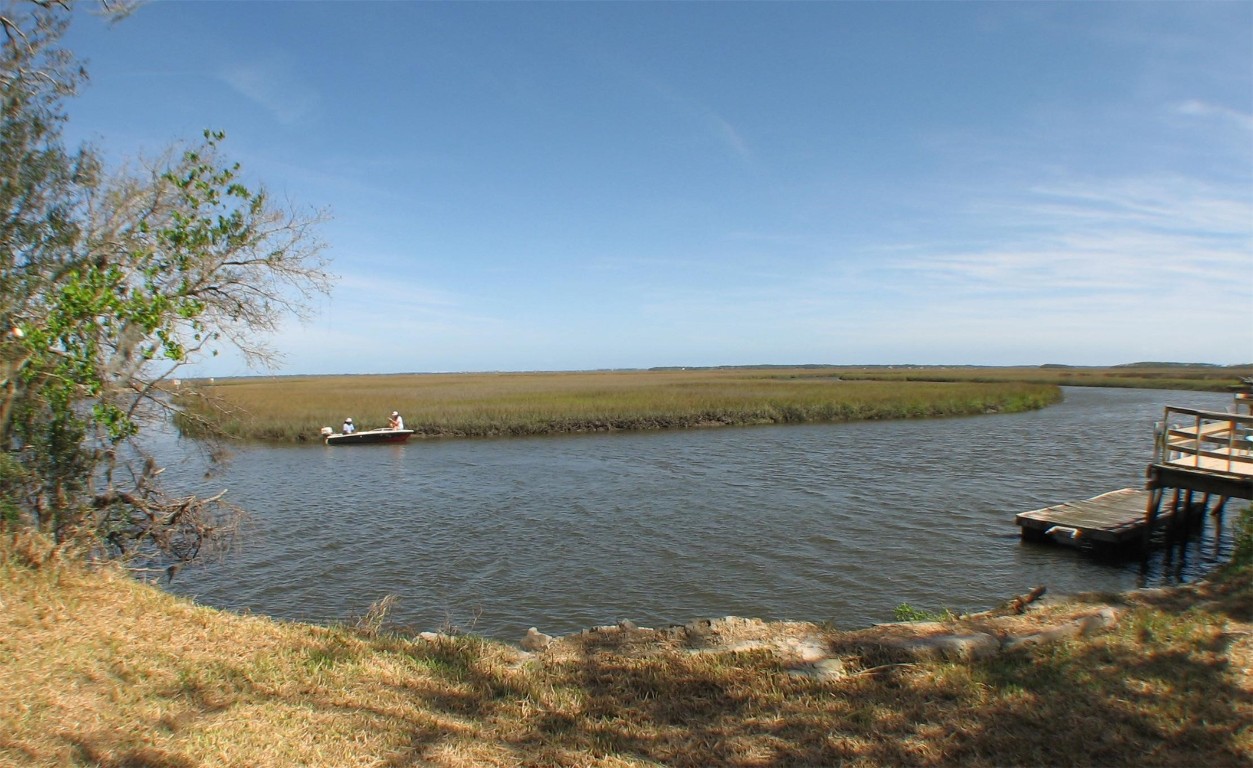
(1207, 441)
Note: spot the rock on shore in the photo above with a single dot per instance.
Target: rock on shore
(826, 653)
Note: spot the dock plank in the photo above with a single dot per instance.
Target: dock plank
(1234, 463)
(1113, 518)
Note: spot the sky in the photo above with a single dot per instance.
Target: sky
(521, 186)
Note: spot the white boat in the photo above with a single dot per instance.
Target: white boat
(368, 437)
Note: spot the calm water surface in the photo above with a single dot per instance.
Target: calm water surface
(838, 523)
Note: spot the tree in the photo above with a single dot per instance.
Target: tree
(109, 283)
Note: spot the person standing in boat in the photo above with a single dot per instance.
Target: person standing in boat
(395, 422)
(349, 427)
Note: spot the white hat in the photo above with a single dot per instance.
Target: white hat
(348, 420)
(395, 413)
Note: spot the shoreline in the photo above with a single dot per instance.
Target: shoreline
(107, 670)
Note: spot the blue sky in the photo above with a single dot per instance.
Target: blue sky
(564, 186)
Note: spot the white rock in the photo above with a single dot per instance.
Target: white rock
(827, 670)
(964, 646)
(536, 640)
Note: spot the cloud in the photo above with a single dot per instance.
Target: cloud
(1197, 108)
(1138, 234)
(720, 131)
(729, 136)
(1156, 263)
(1091, 271)
(274, 87)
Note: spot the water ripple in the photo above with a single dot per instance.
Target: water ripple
(836, 523)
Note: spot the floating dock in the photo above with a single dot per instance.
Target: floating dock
(1112, 519)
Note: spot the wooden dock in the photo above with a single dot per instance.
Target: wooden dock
(1113, 519)
(1204, 457)
(1205, 451)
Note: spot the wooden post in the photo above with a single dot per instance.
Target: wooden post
(1176, 513)
(1218, 525)
(1150, 516)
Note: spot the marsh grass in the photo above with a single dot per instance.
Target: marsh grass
(494, 405)
(97, 669)
(1211, 378)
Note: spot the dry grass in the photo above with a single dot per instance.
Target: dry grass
(477, 405)
(96, 669)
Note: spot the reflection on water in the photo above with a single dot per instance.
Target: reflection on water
(838, 523)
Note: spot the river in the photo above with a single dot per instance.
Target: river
(836, 523)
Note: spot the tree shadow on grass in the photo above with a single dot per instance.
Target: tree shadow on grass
(88, 752)
(1104, 704)
(1158, 690)
(1080, 703)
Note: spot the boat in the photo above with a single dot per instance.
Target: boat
(368, 437)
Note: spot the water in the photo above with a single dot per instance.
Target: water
(838, 523)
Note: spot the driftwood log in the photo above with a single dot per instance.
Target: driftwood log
(1015, 607)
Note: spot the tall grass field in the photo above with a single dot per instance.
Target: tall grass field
(292, 409)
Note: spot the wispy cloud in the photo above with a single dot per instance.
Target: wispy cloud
(730, 137)
(1140, 234)
(1089, 271)
(396, 323)
(1197, 108)
(722, 132)
(275, 87)
(377, 305)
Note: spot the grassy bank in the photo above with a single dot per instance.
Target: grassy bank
(96, 669)
(1209, 378)
(489, 405)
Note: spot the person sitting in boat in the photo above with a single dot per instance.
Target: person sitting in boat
(395, 422)
(349, 427)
